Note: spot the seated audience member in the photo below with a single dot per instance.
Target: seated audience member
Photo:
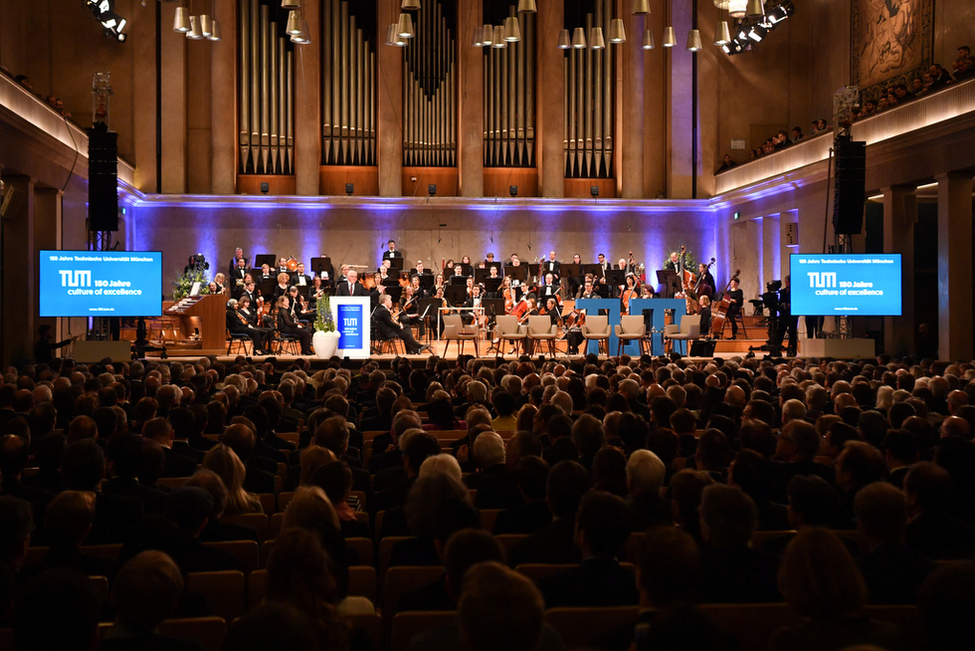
(858, 465)
(530, 474)
(935, 530)
(893, 572)
(437, 506)
(463, 550)
(160, 431)
(224, 462)
(417, 446)
(259, 471)
(189, 507)
(797, 445)
(216, 529)
(126, 453)
(645, 474)
(14, 457)
(731, 571)
(298, 576)
(147, 591)
(602, 527)
(335, 479)
(496, 489)
(58, 609)
(749, 472)
(272, 626)
(67, 521)
(567, 482)
(686, 488)
(901, 452)
(821, 583)
(945, 604)
(498, 609)
(16, 526)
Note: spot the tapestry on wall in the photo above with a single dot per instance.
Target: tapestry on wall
(892, 43)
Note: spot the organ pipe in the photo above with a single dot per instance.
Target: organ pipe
(509, 97)
(588, 141)
(266, 128)
(348, 86)
(429, 92)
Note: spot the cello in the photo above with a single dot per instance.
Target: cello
(720, 313)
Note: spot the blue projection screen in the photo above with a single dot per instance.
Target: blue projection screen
(100, 283)
(852, 284)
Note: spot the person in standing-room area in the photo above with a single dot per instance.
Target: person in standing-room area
(43, 347)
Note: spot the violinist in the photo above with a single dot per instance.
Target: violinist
(588, 290)
(287, 324)
(417, 289)
(299, 306)
(282, 287)
(438, 285)
(551, 309)
(409, 314)
(260, 336)
(315, 292)
(474, 299)
(508, 294)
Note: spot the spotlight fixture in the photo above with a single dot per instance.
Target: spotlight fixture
(593, 191)
(757, 33)
(647, 40)
(513, 190)
(181, 21)
(722, 35)
(405, 25)
(781, 12)
(564, 41)
(293, 26)
(104, 13)
(497, 41)
(432, 189)
(737, 8)
(392, 36)
(349, 188)
(476, 41)
(487, 35)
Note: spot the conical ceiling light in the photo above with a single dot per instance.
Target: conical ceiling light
(579, 38)
(290, 4)
(487, 35)
(755, 8)
(512, 31)
(737, 8)
(410, 5)
(392, 36)
(181, 23)
(694, 40)
(617, 33)
(596, 40)
(669, 39)
(294, 23)
(405, 26)
(215, 30)
(647, 40)
(206, 25)
(722, 35)
(498, 40)
(305, 34)
(195, 33)
(641, 7)
(476, 41)
(564, 41)
(526, 6)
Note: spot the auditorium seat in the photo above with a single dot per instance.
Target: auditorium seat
(172, 483)
(385, 552)
(406, 626)
(268, 501)
(107, 552)
(751, 624)
(537, 571)
(906, 618)
(509, 540)
(257, 520)
(290, 437)
(208, 631)
(488, 518)
(371, 624)
(362, 548)
(283, 500)
(579, 626)
(225, 592)
(362, 583)
(632, 546)
(404, 579)
(274, 525)
(246, 552)
(100, 585)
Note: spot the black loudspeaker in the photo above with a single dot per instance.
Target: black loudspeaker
(102, 179)
(849, 187)
(703, 347)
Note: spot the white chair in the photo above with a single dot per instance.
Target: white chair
(540, 328)
(597, 328)
(690, 330)
(455, 330)
(507, 329)
(632, 327)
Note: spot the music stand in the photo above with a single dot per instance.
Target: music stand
(428, 308)
(458, 280)
(615, 277)
(467, 269)
(533, 268)
(322, 265)
(666, 278)
(571, 270)
(426, 281)
(266, 289)
(491, 285)
(493, 307)
(517, 273)
(395, 292)
(480, 275)
(595, 269)
(456, 295)
(265, 259)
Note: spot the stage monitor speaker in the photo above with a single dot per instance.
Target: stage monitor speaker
(102, 179)
(849, 187)
(703, 348)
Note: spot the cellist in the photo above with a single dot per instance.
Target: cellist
(631, 292)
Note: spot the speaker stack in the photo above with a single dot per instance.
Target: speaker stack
(102, 179)
(849, 186)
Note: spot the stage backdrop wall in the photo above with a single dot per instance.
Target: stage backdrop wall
(356, 232)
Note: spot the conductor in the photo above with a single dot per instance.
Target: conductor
(387, 328)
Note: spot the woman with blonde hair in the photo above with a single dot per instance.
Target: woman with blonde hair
(311, 459)
(228, 466)
(821, 583)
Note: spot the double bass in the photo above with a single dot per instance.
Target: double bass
(720, 312)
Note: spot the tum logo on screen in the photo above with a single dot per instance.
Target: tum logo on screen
(75, 278)
(816, 278)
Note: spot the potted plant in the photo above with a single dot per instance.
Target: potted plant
(326, 337)
(184, 281)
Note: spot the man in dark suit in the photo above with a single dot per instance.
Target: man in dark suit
(288, 325)
(567, 483)
(351, 286)
(160, 431)
(496, 489)
(530, 473)
(189, 508)
(301, 280)
(551, 266)
(236, 274)
(387, 328)
(645, 474)
(235, 261)
(602, 525)
(391, 251)
(126, 452)
(14, 455)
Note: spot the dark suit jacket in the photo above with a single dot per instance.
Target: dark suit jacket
(650, 510)
(894, 574)
(198, 557)
(553, 544)
(496, 489)
(153, 501)
(258, 481)
(115, 515)
(527, 518)
(177, 465)
(217, 531)
(738, 575)
(563, 449)
(357, 289)
(596, 582)
(432, 596)
(940, 537)
(386, 328)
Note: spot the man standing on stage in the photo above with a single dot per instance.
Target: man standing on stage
(391, 252)
(351, 286)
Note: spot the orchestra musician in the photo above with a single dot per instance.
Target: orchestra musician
(282, 287)
(391, 251)
(248, 290)
(266, 273)
(550, 289)
(299, 306)
(288, 325)
(737, 300)
(486, 262)
(515, 260)
(552, 266)
(409, 313)
(417, 289)
(705, 312)
(283, 266)
(676, 263)
(350, 286)
(301, 279)
(631, 292)
(588, 290)
(235, 261)
(315, 292)
(419, 269)
(220, 280)
(387, 328)
(474, 299)
(237, 274)
(705, 280)
(243, 320)
(575, 282)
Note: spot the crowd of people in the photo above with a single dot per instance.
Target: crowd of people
(936, 78)
(865, 469)
(52, 101)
